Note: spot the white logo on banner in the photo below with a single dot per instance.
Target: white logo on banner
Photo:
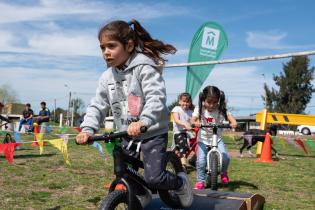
(210, 38)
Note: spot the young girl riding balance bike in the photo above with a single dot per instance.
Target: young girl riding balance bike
(181, 126)
(211, 109)
(133, 88)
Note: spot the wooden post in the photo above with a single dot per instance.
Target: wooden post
(262, 127)
(60, 120)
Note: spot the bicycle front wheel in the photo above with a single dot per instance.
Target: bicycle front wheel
(214, 164)
(118, 200)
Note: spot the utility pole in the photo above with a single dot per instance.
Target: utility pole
(68, 113)
(55, 101)
(69, 104)
(265, 95)
(72, 112)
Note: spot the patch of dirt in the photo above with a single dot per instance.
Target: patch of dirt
(78, 190)
(58, 168)
(236, 154)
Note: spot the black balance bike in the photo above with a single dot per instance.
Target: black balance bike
(126, 171)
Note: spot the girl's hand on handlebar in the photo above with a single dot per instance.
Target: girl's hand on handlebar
(134, 129)
(196, 124)
(187, 126)
(82, 138)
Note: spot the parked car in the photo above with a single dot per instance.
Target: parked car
(306, 129)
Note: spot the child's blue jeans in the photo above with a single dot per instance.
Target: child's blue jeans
(202, 156)
(26, 122)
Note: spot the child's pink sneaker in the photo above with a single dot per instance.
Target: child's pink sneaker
(224, 178)
(199, 186)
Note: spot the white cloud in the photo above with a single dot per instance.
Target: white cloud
(274, 40)
(181, 52)
(242, 84)
(8, 41)
(266, 40)
(57, 43)
(45, 35)
(49, 26)
(65, 44)
(35, 85)
(5, 39)
(92, 10)
(11, 13)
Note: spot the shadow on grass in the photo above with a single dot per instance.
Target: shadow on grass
(233, 185)
(23, 149)
(55, 208)
(94, 200)
(301, 156)
(33, 155)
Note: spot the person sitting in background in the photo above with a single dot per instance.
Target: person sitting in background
(27, 117)
(43, 115)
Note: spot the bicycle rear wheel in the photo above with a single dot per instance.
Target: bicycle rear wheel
(118, 200)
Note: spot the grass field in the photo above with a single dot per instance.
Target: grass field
(44, 182)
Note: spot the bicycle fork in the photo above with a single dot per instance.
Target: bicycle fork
(128, 176)
(214, 149)
(120, 171)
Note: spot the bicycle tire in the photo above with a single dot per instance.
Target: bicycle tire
(117, 197)
(192, 161)
(169, 197)
(214, 162)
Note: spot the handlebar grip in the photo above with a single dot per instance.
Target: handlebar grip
(117, 135)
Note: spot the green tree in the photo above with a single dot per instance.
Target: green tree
(58, 112)
(8, 94)
(172, 105)
(77, 104)
(295, 87)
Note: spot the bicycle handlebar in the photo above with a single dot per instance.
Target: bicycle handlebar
(214, 125)
(110, 136)
(3, 124)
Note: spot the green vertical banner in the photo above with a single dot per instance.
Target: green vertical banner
(208, 44)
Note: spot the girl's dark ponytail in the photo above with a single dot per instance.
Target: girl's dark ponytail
(153, 48)
(222, 105)
(202, 98)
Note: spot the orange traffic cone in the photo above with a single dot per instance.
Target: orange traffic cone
(265, 156)
(36, 131)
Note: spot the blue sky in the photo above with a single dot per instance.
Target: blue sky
(45, 44)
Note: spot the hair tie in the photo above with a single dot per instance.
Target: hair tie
(129, 23)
